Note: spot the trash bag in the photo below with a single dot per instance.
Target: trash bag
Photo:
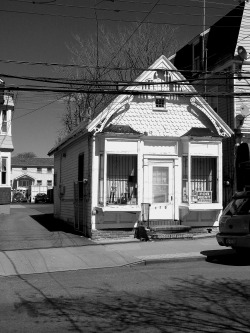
(141, 233)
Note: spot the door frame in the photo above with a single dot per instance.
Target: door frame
(148, 190)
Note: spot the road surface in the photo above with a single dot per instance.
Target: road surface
(186, 296)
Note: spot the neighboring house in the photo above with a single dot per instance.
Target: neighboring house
(6, 147)
(151, 145)
(220, 52)
(32, 175)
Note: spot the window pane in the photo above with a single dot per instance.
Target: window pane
(122, 179)
(3, 170)
(3, 178)
(4, 121)
(184, 179)
(160, 184)
(160, 102)
(204, 179)
(80, 174)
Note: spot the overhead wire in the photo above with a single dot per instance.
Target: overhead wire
(134, 11)
(110, 19)
(70, 65)
(37, 109)
(220, 75)
(128, 10)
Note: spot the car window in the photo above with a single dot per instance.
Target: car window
(239, 206)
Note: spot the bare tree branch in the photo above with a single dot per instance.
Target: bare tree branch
(138, 53)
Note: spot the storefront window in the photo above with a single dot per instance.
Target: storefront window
(203, 179)
(121, 182)
(185, 179)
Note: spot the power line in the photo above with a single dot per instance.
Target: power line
(127, 2)
(128, 92)
(124, 10)
(37, 109)
(108, 19)
(121, 84)
(54, 64)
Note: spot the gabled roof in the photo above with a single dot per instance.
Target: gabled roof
(32, 162)
(133, 109)
(136, 111)
(24, 176)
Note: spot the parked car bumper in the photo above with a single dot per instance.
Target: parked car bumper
(235, 241)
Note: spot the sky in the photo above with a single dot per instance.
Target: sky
(42, 31)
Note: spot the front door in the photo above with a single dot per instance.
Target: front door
(161, 190)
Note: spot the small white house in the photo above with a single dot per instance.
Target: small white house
(159, 143)
(32, 175)
(6, 147)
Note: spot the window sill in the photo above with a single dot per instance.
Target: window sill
(119, 208)
(159, 109)
(205, 206)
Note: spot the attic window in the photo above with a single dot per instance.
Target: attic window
(160, 103)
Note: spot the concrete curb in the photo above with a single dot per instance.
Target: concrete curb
(151, 259)
(134, 240)
(191, 256)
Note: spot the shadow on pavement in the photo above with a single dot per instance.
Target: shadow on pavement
(53, 225)
(227, 257)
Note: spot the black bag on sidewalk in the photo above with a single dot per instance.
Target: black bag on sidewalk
(141, 233)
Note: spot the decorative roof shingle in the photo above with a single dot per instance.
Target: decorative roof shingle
(176, 120)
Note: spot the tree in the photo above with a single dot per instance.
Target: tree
(26, 155)
(119, 57)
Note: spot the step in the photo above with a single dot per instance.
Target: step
(153, 223)
(170, 229)
(172, 236)
(111, 234)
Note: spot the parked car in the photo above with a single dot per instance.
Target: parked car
(19, 197)
(41, 197)
(234, 223)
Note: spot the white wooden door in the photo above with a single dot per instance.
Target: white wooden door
(161, 184)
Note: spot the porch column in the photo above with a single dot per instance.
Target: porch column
(94, 182)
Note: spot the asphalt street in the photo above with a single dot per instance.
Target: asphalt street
(183, 296)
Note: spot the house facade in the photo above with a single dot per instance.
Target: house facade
(222, 52)
(31, 176)
(6, 147)
(158, 143)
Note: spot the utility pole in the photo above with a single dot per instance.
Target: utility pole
(203, 36)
